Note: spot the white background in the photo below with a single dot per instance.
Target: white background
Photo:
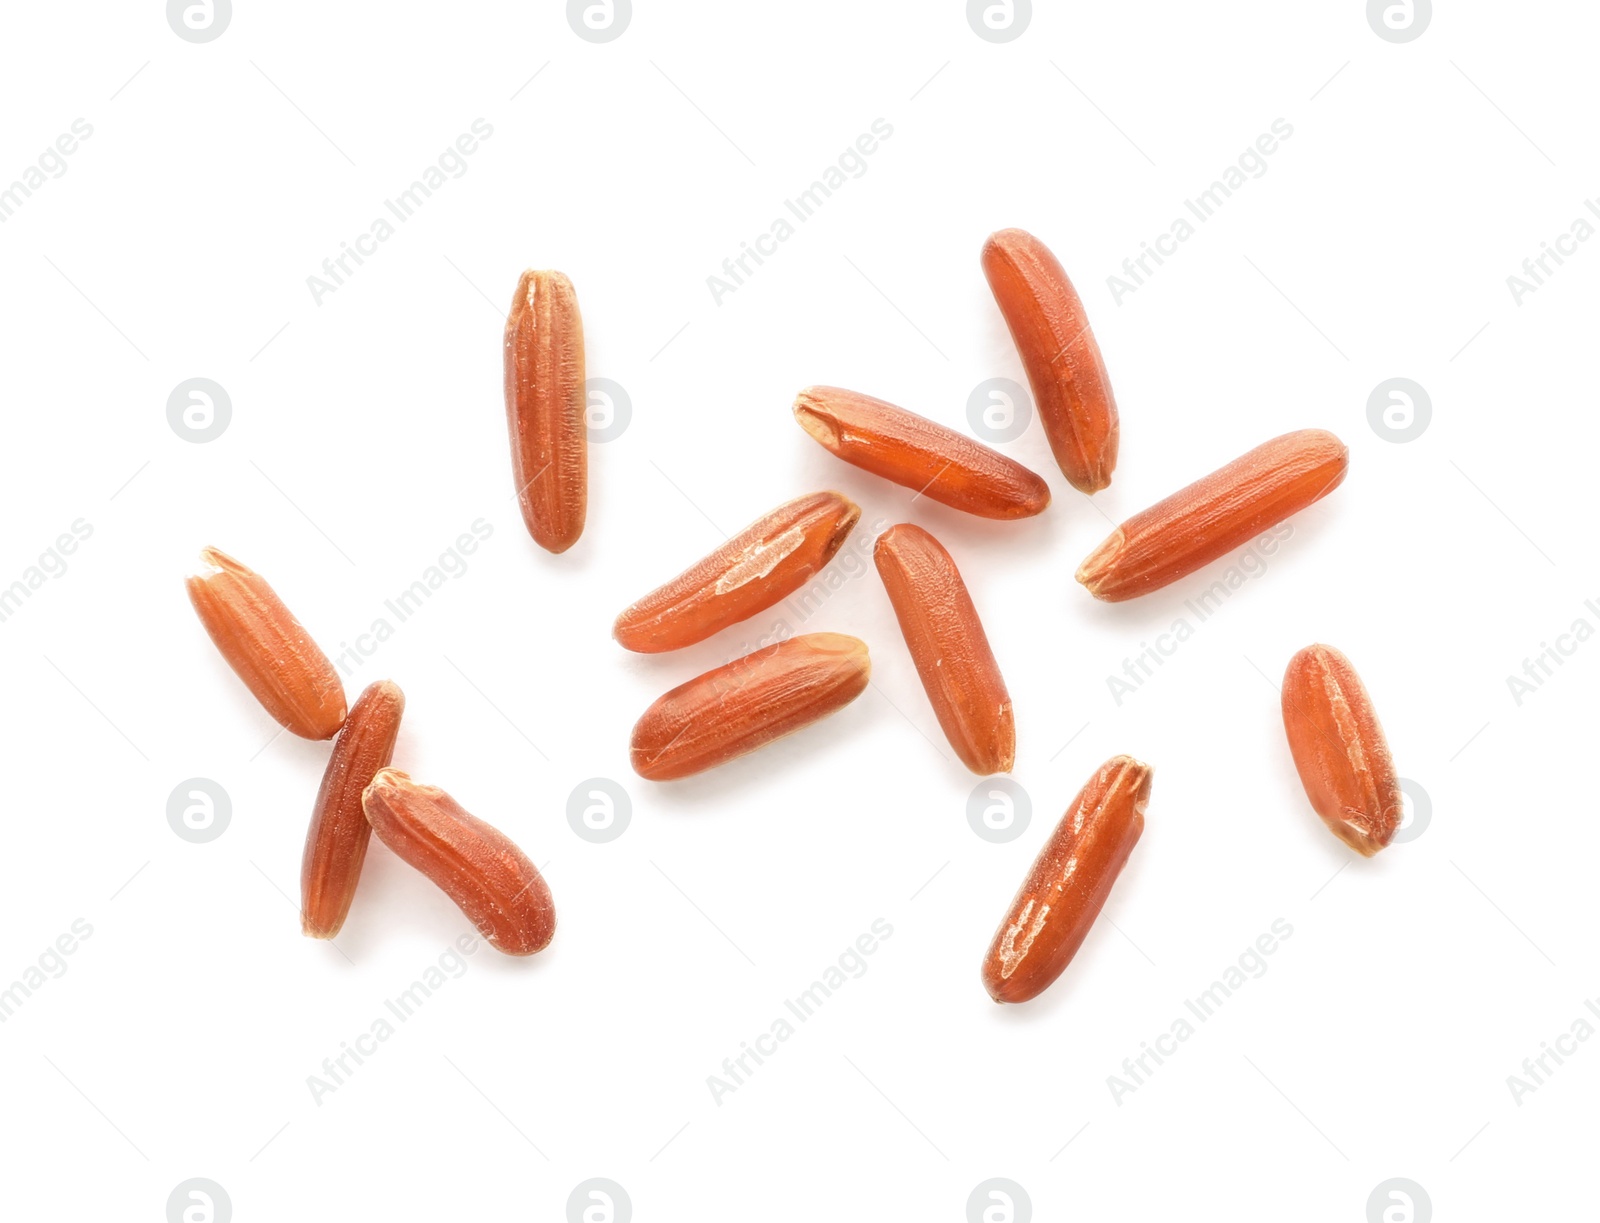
(368, 432)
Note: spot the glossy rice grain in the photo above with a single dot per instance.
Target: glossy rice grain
(950, 649)
(914, 452)
(477, 866)
(1215, 515)
(336, 844)
(1051, 331)
(1339, 749)
(267, 647)
(1069, 882)
(547, 408)
(748, 703)
(760, 566)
